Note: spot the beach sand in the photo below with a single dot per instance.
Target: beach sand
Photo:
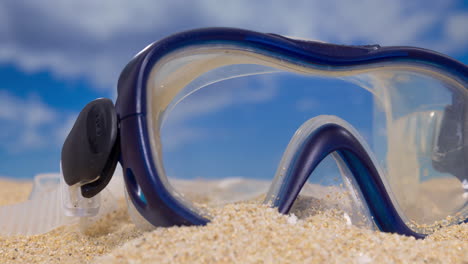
(239, 233)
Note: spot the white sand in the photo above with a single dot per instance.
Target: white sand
(239, 233)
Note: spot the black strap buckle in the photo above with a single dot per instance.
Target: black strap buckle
(92, 149)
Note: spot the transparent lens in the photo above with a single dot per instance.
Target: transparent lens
(230, 136)
(223, 143)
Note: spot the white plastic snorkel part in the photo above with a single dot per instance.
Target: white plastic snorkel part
(52, 204)
(74, 204)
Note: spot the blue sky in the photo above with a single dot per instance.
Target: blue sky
(55, 56)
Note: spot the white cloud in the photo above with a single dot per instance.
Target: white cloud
(223, 94)
(95, 39)
(307, 104)
(456, 30)
(30, 111)
(30, 124)
(181, 135)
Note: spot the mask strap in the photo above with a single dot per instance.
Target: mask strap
(41, 213)
(46, 209)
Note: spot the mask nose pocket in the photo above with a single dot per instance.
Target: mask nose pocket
(362, 182)
(331, 187)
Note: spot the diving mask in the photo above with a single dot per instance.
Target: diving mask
(398, 163)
